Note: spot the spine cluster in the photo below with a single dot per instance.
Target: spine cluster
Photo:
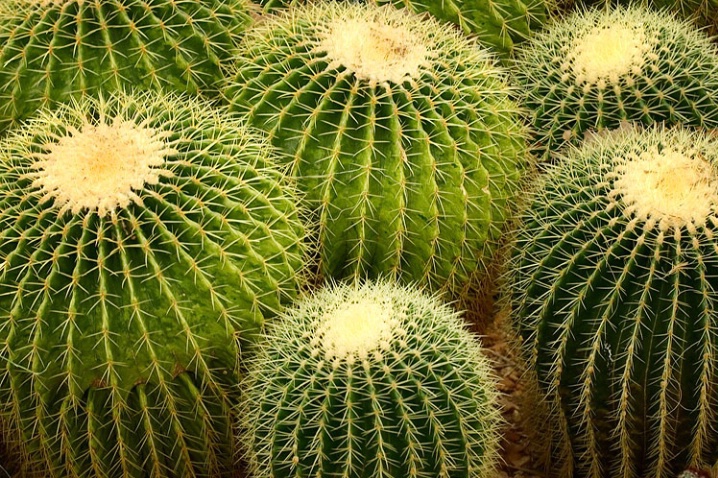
(53, 51)
(599, 68)
(150, 240)
(400, 132)
(370, 380)
(122, 316)
(613, 274)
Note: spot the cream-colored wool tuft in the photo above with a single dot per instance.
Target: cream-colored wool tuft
(101, 166)
(378, 47)
(672, 188)
(608, 53)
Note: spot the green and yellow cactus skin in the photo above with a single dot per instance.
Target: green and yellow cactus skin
(400, 132)
(54, 50)
(613, 279)
(143, 240)
(703, 12)
(370, 380)
(597, 69)
(499, 25)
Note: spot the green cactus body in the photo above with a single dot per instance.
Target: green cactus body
(614, 293)
(51, 51)
(400, 132)
(370, 380)
(597, 69)
(499, 25)
(141, 236)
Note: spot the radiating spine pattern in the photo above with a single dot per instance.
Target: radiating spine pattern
(613, 280)
(143, 240)
(599, 68)
(370, 380)
(499, 25)
(400, 132)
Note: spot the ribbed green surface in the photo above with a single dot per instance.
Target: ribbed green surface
(618, 318)
(499, 25)
(422, 406)
(678, 84)
(412, 179)
(119, 334)
(52, 51)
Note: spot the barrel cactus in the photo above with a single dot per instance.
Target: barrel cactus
(500, 25)
(143, 240)
(613, 276)
(369, 380)
(596, 69)
(400, 132)
(54, 50)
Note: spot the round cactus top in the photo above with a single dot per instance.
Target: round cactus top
(605, 53)
(100, 166)
(377, 47)
(357, 326)
(671, 187)
(427, 373)
(361, 323)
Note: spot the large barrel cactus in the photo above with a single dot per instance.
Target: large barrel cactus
(140, 237)
(54, 50)
(370, 380)
(596, 69)
(614, 281)
(400, 132)
(500, 25)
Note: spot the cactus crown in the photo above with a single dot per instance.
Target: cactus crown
(356, 328)
(607, 52)
(101, 165)
(401, 133)
(598, 68)
(379, 47)
(669, 187)
(609, 49)
(124, 301)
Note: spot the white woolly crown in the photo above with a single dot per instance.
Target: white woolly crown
(379, 45)
(100, 166)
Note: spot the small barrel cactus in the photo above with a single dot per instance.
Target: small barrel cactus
(369, 380)
(615, 296)
(140, 237)
(499, 25)
(597, 69)
(54, 50)
(400, 131)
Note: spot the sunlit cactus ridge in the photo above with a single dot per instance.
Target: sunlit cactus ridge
(613, 280)
(370, 380)
(124, 303)
(400, 132)
(598, 68)
(499, 25)
(51, 51)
